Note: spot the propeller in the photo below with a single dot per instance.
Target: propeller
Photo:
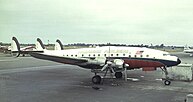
(108, 63)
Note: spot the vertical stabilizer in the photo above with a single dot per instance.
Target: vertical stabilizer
(58, 45)
(39, 45)
(15, 47)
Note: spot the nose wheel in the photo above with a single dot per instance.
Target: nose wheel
(167, 82)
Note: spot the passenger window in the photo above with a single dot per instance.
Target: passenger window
(135, 55)
(117, 54)
(129, 56)
(98, 54)
(89, 55)
(141, 55)
(75, 55)
(71, 55)
(123, 54)
(82, 55)
(147, 55)
(111, 54)
(66, 55)
(105, 55)
(93, 54)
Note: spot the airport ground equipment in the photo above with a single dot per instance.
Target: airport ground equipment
(181, 72)
(189, 98)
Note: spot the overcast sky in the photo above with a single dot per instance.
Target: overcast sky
(98, 21)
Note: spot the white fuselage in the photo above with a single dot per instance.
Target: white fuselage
(142, 57)
(112, 51)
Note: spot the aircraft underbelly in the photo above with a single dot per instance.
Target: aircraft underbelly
(134, 63)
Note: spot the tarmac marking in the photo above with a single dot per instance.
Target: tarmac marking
(169, 88)
(8, 60)
(30, 69)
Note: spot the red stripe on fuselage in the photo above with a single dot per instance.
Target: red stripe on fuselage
(135, 63)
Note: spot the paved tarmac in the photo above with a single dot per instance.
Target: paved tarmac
(26, 79)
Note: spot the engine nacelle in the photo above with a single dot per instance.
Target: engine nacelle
(98, 61)
(119, 63)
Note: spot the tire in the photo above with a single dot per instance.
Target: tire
(118, 75)
(167, 82)
(96, 79)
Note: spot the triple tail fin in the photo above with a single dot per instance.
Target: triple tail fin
(58, 45)
(15, 47)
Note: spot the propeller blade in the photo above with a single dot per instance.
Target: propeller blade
(112, 70)
(104, 67)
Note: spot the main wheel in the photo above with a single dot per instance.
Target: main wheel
(118, 74)
(167, 82)
(96, 79)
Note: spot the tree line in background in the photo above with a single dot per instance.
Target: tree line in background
(107, 44)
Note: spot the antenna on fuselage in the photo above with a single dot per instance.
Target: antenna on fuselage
(109, 53)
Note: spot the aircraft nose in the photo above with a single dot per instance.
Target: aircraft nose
(178, 61)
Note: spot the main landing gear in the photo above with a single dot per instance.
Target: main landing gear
(97, 79)
(167, 80)
(118, 75)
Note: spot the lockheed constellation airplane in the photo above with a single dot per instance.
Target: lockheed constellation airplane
(108, 58)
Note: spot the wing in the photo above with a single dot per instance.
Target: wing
(60, 59)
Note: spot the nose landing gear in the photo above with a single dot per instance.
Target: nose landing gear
(167, 80)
